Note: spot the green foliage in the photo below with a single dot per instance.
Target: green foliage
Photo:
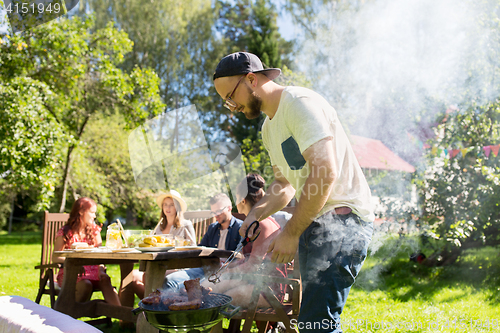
(461, 195)
(177, 40)
(28, 136)
(101, 166)
(291, 78)
(61, 75)
(264, 38)
(197, 192)
(256, 159)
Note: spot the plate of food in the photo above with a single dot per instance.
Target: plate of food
(81, 246)
(155, 241)
(154, 248)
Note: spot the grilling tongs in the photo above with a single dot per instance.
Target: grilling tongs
(215, 278)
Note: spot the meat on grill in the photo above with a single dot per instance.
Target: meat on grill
(193, 289)
(179, 301)
(189, 305)
(168, 300)
(151, 300)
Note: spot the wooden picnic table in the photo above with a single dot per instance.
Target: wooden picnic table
(154, 264)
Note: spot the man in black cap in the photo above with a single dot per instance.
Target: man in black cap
(312, 159)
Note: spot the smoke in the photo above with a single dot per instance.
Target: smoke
(389, 240)
(390, 66)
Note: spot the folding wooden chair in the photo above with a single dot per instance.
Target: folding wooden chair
(201, 220)
(52, 222)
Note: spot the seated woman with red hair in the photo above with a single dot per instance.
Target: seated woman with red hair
(82, 228)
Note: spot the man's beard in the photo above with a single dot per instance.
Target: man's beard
(254, 106)
(223, 220)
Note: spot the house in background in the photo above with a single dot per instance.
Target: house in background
(388, 175)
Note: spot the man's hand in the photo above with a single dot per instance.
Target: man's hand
(283, 247)
(248, 220)
(253, 233)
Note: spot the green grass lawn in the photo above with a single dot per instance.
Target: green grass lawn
(19, 254)
(391, 294)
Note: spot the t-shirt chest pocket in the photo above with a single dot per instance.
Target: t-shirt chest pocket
(291, 152)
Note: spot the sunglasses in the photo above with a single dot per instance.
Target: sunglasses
(229, 103)
(218, 212)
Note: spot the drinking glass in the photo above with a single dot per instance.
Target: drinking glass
(171, 240)
(179, 241)
(113, 237)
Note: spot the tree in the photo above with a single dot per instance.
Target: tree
(28, 145)
(78, 68)
(460, 194)
(175, 38)
(242, 25)
(28, 137)
(101, 169)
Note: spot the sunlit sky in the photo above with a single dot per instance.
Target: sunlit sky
(285, 24)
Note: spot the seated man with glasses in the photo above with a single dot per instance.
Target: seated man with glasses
(223, 235)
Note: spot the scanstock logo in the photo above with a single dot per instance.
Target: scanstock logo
(26, 14)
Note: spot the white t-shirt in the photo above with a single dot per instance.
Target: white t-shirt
(222, 239)
(303, 118)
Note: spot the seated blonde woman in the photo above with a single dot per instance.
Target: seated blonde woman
(172, 215)
(248, 193)
(173, 223)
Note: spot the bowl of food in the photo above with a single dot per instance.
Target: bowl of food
(157, 241)
(134, 237)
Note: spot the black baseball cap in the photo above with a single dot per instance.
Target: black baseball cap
(243, 63)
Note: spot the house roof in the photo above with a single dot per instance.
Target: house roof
(373, 154)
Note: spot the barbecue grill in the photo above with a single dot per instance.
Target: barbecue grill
(214, 307)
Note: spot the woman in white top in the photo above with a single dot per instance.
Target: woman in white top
(172, 214)
(172, 211)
